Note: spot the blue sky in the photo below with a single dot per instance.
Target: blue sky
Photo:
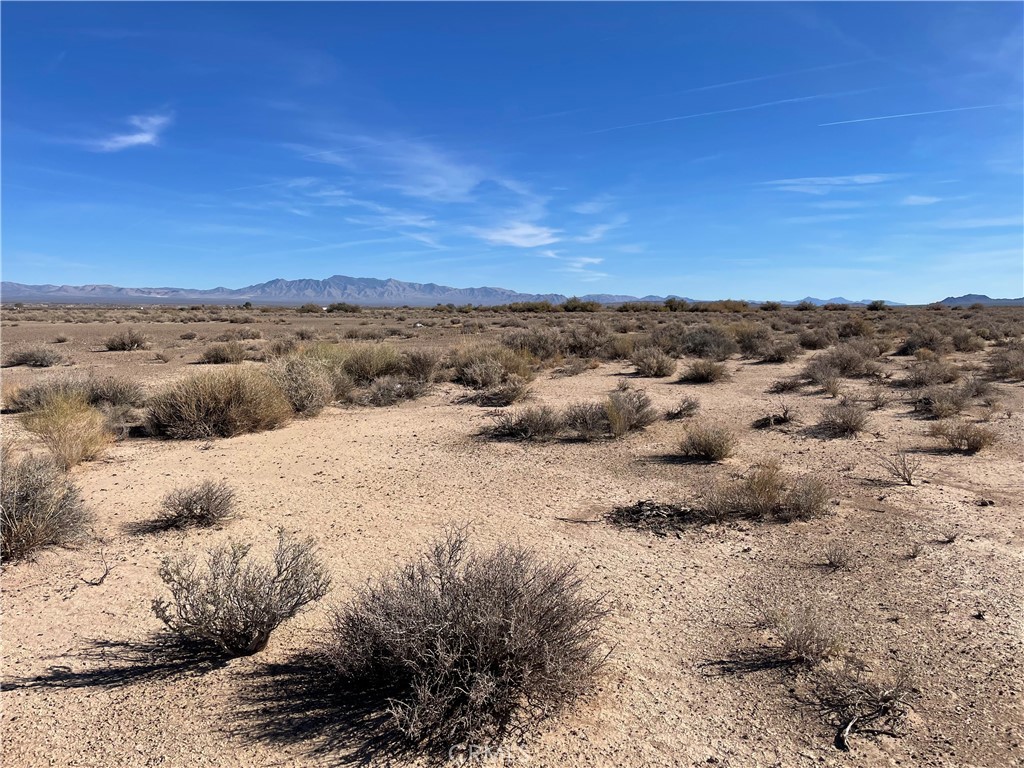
(709, 150)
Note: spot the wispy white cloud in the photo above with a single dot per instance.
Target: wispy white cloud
(596, 233)
(920, 200)
(822, 185)
(990, 223)
(519, 234)
(594, 206)
(914, 114)
(839, 205)
(148, 129)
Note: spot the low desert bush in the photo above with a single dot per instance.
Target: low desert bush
(586, 421)
(234, 604)
(709, 442)
(202, 505)
(127, 340)
(587, 339)
(468, 645)
(513, 389)
(34, 357)
(929, 373)
(96, 390)
(1007, 363)
(218, 404)
(925, 337)
(964, 436)
(536, 422)
(709, 341)
(629, 410)
(652, 362)
(421, 364)
(843, 419)
(373, 361)
(684, 409)
(542, 342)
(753, 339)
(966, 341)
(390, 390)
(218, 354)
(805, 635)
(39, 506)
(941, 402)
(486, 367)
(854, 700)
(767, 493)
(837, 556)
(704, 372)
(817, 338)
(73, 430)
(305, 382)
(902, 465)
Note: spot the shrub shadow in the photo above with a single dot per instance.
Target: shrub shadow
(300, 702)
(113, 663)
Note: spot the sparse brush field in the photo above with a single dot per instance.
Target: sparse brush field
(280, 536)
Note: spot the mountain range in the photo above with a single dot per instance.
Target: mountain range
(366, 291)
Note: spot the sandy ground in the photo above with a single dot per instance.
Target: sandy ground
(373, 485)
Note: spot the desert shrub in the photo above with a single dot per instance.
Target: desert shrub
(60, 338)
(39, 506)
(305, 382)
(372, 361)
(837, 556)
(344, 307)
(34, 357)
(218, 404)
(72, 429)
(619, 347)
(188, 336)
(966, 341)
(234, 604)
(305, 334)
(928, 373)
(421, 364)
(781, 386)
(850, 359)
(248, 334)
(652, 362)
(280, 348)
(513, 389)
(771, 306)
(468, 645)
(805, 635)
(855, 700)
(964, 436)
(390, 390)
(780, 352)
(753, 339)
(629, 410)
(704, 372)
(94, 389)
(855, 326)
(941, 402)
(924, 337)
(709, 442)
(485, 367)
(127, 340)
(766, 493)
(710, 342)
(586, 421)
(843, 419)
(332, 357)
(217, 354)
(817, 338)
(1007, 364)
(586, 339)
(538, 422)
(542, 342)
(686, 408)
(205, 504)
(902, 465)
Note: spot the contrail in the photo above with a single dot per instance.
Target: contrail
(761, 78)
(794, 100)
(913, 114)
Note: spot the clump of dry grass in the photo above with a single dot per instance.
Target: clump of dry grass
(305, 382)
(106, 391)
(34, 357)
(964, 436)
(202, 505)
(837, 556)
(127, 340)
(373, 361)
(629, 410)
(652, 362)
(843, 419)
(805, 635)
(704, 372)
(468, 645)
(234, 604)
(710, 442)
(684, 409)
(230, 352)
(537, 422)
(586, 421)
(218, 404)
(766, 493)
(39, 506)
(390, 390)
(513, 389)
(72, 429)
(485, 367)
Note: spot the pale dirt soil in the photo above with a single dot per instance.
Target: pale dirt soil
(374, 484)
